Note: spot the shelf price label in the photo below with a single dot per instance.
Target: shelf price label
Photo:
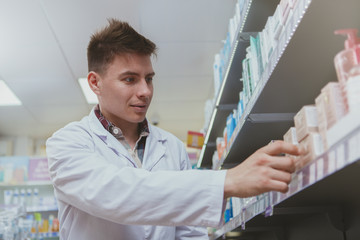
(312, 173)
(331, 162)
(300, 181)
(354, 148)
(320, 169)
(340, 156)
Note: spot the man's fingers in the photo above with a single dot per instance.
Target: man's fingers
(281, 147)
(283, 163)
(279, 186)
(281, 176)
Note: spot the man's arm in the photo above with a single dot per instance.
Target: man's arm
(86, 180)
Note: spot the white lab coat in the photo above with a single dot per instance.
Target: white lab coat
(103, 195)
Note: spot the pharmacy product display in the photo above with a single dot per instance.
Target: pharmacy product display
(27, 202)
(15, 224)
(301, 89)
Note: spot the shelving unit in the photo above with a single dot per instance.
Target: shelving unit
(321, 187)
(323, 201)
(45, 206)
(301, 65)
(228, 96)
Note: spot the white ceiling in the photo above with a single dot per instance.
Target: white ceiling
(43, 53)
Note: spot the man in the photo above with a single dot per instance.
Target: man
(118, 177)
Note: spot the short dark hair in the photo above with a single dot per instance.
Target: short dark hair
(115, 39)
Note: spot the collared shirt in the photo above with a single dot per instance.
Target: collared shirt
(138, 152)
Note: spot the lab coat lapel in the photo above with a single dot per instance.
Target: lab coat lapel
(110, 141)
(154, 148)
(119, 149)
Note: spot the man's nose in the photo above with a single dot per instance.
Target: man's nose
(145, 88)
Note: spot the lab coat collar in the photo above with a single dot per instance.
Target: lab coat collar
(154, 143)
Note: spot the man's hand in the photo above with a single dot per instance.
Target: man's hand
(263, 171)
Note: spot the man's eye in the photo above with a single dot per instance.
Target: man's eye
(149, 79)
(129, 79)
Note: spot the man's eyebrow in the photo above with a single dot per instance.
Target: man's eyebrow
(135, 73)
(128, 73)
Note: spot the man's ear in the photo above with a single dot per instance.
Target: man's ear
(93, 80)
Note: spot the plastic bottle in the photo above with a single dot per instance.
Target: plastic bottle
(7, 196)
(16, 197)
(51, 219)
(22, 197)
(35, 198)
(55, 226)
(29, 197)
(33, 229)
(349, 57)
(38, 220)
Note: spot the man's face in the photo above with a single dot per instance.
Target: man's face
(125, 90)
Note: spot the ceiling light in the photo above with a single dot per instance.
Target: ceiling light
(90, 96)
(7, 97)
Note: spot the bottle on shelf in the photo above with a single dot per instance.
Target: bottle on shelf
(15, 198)
(28, 197)
(8, 194)
(22, 197)
(349, 57)
(35, 198)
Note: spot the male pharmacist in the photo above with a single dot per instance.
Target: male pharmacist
(118, 177)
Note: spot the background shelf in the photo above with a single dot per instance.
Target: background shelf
(322, 189)
(307, 50)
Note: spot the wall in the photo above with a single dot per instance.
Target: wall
(22, 146)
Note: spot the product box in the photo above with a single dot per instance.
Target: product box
(322, 119)
(353, 93)
(215, 160)
(225, 136)
(269, 38)
(259, 56)
(334, 103)
(284, 10)
(254, 63)
(277, 26)
(263, 48)
(14, 170)
(220, 146)
(292, 3)
(312, 146)
(290, 136)
(343, 128)
(217, 73)
(195, 139)
(38, 169)
(306, 121)
(230, 125)
(240, 106)
(247, 85)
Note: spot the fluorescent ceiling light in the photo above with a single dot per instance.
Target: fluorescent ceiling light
(7, 97)
(90, 96)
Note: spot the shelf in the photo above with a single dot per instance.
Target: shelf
(44, 235)
(41, 208)
(301, 65)
(44, 208)
(321, 186)
(29, 183)
(256, 14)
